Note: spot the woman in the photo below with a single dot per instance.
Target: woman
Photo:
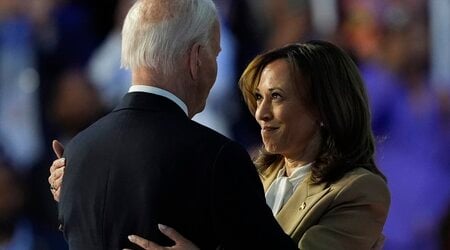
(317, 165)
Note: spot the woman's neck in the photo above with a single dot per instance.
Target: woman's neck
(291, 165)
(307, 155)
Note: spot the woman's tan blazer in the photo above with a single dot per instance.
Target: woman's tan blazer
(348, 214)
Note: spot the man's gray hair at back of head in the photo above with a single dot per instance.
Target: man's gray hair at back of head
(157, 32)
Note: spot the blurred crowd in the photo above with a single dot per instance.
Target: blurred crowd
(60, 71)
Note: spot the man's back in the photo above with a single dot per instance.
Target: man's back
(148, 163)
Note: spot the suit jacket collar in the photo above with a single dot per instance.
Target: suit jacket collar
(270, 174)
(149, 102)
(304, 198)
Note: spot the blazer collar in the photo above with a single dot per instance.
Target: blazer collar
(150, 102)
(304, 198)
(269, 175)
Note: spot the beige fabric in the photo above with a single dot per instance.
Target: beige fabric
(348, 214)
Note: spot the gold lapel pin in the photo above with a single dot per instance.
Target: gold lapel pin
(303, 206)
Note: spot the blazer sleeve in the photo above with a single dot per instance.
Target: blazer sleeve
(241, 216)
(355, 218)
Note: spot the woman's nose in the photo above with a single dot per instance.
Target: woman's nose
(263, 111)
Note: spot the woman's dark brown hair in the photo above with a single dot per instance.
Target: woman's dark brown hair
(334, 90)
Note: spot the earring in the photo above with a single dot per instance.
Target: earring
(321, 124)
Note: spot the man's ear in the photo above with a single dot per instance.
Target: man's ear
(194, 60)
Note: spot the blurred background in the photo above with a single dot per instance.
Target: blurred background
(59, 72)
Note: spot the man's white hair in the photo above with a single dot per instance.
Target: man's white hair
(157, 32)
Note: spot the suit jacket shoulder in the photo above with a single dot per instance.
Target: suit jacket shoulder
(348, 214)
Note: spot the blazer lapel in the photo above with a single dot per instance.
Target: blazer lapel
(268, 175)
(304, 198)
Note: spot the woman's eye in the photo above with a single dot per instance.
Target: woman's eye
(276, 96)
(258, 97)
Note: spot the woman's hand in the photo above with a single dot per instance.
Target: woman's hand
(57, 170)
(181, 243)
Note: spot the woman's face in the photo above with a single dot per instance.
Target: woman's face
(287, 127)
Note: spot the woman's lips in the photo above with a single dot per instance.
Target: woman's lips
(268, 129)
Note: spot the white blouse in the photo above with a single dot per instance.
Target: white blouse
(284, 186)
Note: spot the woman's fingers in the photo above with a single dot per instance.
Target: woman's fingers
(55, 186)
(56, 194)
(61, 162)
(58, 148)
(175, 236)
(56, 171)
(146, 244)
(56, 177)
(180, 241)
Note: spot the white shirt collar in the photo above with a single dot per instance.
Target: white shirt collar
(283, 187)
(160, 92)
(298, 171)
(297, 175)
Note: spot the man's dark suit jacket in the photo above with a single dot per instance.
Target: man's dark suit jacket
(147, 163)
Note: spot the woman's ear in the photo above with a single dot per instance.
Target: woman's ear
(194, 60)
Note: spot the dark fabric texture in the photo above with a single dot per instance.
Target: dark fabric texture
(147, 163)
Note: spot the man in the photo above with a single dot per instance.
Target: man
(147, 163)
